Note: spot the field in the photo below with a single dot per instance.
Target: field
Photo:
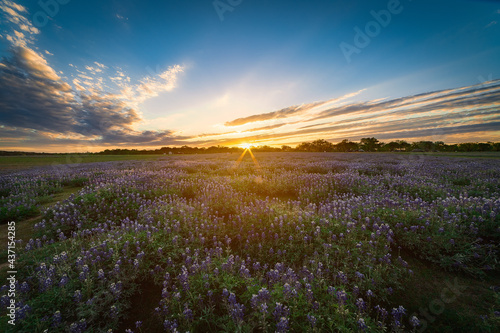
(292, 242)
(24, 162)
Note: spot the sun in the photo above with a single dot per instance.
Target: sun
(246, 145)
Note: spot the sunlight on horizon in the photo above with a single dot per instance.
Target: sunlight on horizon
(247, 147)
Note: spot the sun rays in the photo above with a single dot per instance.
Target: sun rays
(247, 147)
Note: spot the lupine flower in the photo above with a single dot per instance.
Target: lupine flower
(361, 324)
(414, 322)
(341, 296)
(77, 297)
(188, 314)
(312, 320)
(360, 303)
(282, 325)
(56, 319)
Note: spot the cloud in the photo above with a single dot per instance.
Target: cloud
(37, 105)
(265, 128)
(438, 115)
(99, 77)
(283, 113)
(445, 100)
(152, 86)
(289, 111)
(33, 95)
(120, 17)
(492, 23)
(22, 31)
(436, 133)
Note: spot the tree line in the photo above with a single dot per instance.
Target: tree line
(373, 144)
(320, 145)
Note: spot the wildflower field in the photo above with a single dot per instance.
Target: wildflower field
(298, 242)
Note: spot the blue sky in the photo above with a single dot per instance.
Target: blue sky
(103, 74)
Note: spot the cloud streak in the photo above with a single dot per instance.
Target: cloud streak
(283, 113)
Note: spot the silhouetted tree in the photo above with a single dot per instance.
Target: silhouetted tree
(370, 144)
(346, 145)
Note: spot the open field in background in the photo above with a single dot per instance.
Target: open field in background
(24, 162)
(303, 242)
(8, 163)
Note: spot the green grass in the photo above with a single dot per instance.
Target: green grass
(446, 301)
(25, 162)
(474, 154)
(24, 228)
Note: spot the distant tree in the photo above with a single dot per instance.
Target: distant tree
(391, 146)
(404, 145)
(286, 148)
(466, 146)
(369, 144)
(346, 145)
(265, 148)
(439, 146)
(423, 145)
(304, 146)
(322, 145)
(484, 146)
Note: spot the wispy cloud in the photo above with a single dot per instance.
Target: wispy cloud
(492, 23)
(283, 113)
(152, 86)
(287, 112)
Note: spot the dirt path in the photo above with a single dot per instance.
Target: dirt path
(24, 228)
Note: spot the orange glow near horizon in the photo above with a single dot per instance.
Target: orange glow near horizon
(246, 146)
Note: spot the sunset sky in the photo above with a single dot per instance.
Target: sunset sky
(91, 75)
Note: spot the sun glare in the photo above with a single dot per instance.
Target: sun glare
(246, 145)
(247, 148)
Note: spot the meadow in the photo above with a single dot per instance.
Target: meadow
(8, 163)
(297, 242)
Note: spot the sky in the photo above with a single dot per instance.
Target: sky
(78, 76)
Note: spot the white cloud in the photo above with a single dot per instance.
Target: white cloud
(15, 14)
(148, 87)
(120, 17)
(100, 65)
(492, 23)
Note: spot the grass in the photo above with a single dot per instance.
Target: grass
(24, 228)
(474, 154)
(446, 301)
(25, 162)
